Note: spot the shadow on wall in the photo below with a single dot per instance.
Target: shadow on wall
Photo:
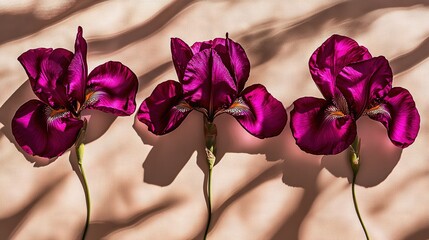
(141, 32)
(17, 24)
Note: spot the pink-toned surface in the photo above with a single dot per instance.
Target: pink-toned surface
(148, 187)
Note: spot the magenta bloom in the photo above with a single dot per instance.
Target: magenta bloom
(354, 84)
(211, 76)
(59, 78)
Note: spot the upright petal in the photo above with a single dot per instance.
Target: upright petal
(182, 54)
(112, 88)
(330, 58)
(233, 57)
(207, 83)
(259, 112)
(32, 59)
(78, 70)
(44, 132)
(164, 110)
(364, 81)
(239, 63)
(201, 46)
(46, 69)
(317, 132)
(398, 113)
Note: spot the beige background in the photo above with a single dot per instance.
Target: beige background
(148, 187)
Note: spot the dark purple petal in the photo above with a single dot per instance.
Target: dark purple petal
(240, 64)
(364, 81)
(233, 57)
(78, 70)
(207, 83)
(398, 113)
(330, 58)
(112, 88)
(259, 112)
(164, 110)
(44, 132)
(318, 131)
(181, 53)
(47, 69)
(32, 59)
(201, 46)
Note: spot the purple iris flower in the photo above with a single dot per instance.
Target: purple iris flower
(49, 126)
(353, 84)
(212, 75)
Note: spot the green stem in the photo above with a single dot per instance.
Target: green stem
(209, 202)
(357, 207)
(79, 153)
(355, 164)
(210, 134)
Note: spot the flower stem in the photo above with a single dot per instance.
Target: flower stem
(355, 164)
(357, 207)
(209, 202)
(79, 153)
(210, 133)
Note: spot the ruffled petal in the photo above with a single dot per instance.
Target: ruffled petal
(78, 70)
(239, 63)
(233, 57)
(201, 46)
(112, 88)
(207, 83)
(316, 131)
(182, 54)
(32, 59)
(164, 110)
(44, 132)
(398, 113)
(259, 112)
(330, 58)
(364, 81)
(46, 69)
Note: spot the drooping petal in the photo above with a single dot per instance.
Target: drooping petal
(78, 70)
(398, 113)
(364, 81)
(330, 58)
(207, 83)
(181, 54)
(164, 110)
(46, 69)
(316, 131)
(112, 88)
(44, 132)
(259, 112)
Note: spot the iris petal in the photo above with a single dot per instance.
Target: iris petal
(112, 88)
(330, 58)
(181, 53)
(46, 69)
(207, 83)
(362, 82)
(239, 63)
(319, 131)
(44, 132)
(398, 113)
(259, 112)
(164, 110)
(78, 70)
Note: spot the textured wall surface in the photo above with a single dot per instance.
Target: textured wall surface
(148, 187)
